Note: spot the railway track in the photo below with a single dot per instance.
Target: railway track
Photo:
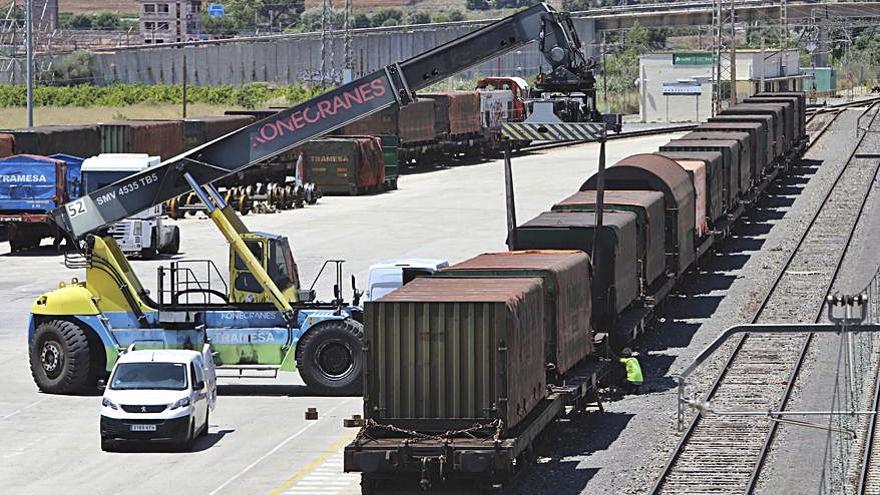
(723, 454)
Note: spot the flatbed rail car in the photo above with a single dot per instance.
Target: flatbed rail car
(477, 458)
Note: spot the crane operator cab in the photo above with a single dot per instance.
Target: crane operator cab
(260, 322)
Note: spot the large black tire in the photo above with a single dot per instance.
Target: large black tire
(60, 358)
(173, 247)
(330, 358)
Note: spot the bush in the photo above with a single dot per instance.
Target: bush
(381, 16)
(418, 18)
(455, 15)
(121, 95)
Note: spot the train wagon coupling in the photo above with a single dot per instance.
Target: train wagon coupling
(847, 314)
(262, 320)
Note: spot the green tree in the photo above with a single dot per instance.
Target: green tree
(379, 18)
(81, 21)
(477, 5)
(455, 15)
(106, 20)
(418, 18)
(360, 20)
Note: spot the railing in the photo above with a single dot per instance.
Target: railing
(186, 286)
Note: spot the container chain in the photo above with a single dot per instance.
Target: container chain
(448, 436)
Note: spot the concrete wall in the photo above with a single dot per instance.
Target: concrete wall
(289, 59)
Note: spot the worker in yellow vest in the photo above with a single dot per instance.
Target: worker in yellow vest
(634, 377)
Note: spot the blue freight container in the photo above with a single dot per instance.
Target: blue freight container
(74, 173)
(30, 183)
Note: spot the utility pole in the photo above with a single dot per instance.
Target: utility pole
(733, 52)
(29, 56)
(185, 78)
(605, 74)
(324, 21)
(348, 72)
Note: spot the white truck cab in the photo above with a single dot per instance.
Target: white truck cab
(159, 395)
(388, 276)
(142, 234)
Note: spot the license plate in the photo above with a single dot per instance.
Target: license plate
(142, 427)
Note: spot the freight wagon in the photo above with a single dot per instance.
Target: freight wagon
(441, 409)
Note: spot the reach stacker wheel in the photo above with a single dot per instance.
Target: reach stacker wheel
(330, 358)
(60, 357)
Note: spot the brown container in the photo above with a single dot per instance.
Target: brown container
(800, 103)
(762, 152)
(206, 129)
(344, 165)
(774, 150)
(567, 289)
(743, 173)
(697, 170)
(651, 222)
(654, 172)
(615, 281)
(444, 353)
(163, 138)
(729, 150)
(714, 161)
(76, 140)
(7, 145)
(784, 139)
(413, 123)
(457, 113)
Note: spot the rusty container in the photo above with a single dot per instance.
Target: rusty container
(783, 139)
(566, 279)
(413, 123)
(771, 149)
(654, 172)
(344, 165)
(697, 170)
(163, 138)
(7, 145)
(75, 140)
(199, 131)
(615, 276)
(762, 155)
(729, 150)
(714, 198)
(445, 353)
(651, 223)
(800, 101)
(741, 174)
(789, 115)
(457, 114)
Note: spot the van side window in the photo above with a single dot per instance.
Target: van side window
(196, 370)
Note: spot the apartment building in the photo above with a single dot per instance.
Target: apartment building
(169, 21)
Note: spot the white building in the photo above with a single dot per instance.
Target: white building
(677, 87)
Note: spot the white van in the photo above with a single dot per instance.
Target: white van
(159, 395)
(386, 277)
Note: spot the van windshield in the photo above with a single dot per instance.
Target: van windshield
(149, 376)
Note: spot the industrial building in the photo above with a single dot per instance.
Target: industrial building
(169, 21)
(677, 87)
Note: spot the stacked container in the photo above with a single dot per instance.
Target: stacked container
(615, 276)
(153, 137)
(445, 354)
(413, 123)
(199, 131)
(344, 165)
(567, 291)
(77, 140)
(457, 114)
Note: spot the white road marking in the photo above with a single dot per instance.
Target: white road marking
(13, 413)
(274, 449)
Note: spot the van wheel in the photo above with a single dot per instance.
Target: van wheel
(204, 431)
(330, 358)
(108, 445)
(60, 357)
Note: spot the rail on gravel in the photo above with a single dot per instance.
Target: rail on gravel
(719, 454)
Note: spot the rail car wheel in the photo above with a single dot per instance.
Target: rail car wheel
(330, 358)
(60, 357)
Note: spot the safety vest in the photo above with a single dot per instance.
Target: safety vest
(633, 370)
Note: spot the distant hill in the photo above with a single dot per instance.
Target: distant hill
(91, 6)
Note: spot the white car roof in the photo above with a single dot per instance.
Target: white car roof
(434, 264)
(120, 162)
(158, 356)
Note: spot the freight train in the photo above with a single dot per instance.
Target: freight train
(465, 368)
